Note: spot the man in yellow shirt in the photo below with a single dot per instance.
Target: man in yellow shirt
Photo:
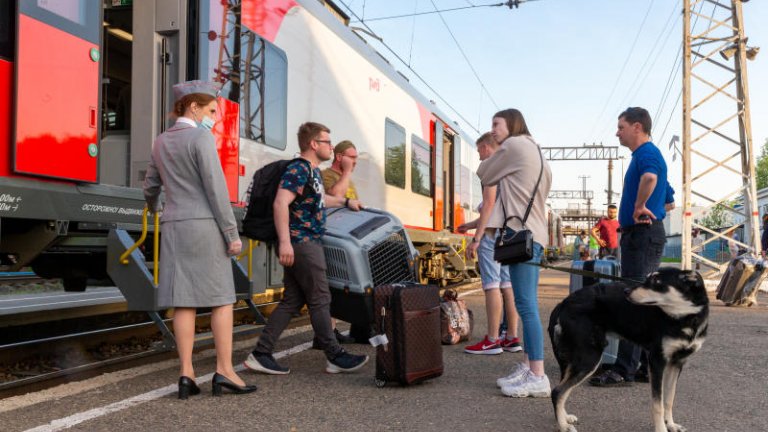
(337, 181)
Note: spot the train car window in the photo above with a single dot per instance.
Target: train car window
(253, 71)
(77, 17)
(394, 154)
(421, 168)
(477, 192)
(466, 175)
(117, 63)
(7, 29)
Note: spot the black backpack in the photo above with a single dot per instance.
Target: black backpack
(259, 220)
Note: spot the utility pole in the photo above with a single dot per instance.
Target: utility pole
(714, 70)
(589, 200)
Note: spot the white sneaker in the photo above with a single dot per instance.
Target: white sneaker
(517, 373)
(530, 386)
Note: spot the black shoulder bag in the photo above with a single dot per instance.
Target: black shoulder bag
(512, 246)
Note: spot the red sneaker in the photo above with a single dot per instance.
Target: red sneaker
(485, 346)
(510, 345)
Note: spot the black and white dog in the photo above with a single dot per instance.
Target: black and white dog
(666, 315)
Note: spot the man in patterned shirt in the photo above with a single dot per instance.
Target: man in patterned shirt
(300, 225)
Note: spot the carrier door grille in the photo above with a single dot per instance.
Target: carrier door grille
(336, 263)
(389, 260)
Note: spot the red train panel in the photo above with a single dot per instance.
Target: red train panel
(57, 91)
(6, 101)
(227, 134)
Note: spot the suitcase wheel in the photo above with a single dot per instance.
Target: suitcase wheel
(380, 383)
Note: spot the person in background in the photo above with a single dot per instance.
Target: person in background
(607, 232)
(641, 213)
(580, 245)
(495, 277)
(594, 246)
(199, 233)
(337, 181)
(764, 236)
(300, 225)
(524, 179)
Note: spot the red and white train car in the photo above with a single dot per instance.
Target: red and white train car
(85, 86)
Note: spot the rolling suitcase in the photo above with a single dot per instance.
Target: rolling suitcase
(608, 266)
(408, 319)
(741, 281)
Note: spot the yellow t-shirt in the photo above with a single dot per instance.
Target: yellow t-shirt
(331, 177)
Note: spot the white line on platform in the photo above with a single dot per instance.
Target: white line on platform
(75, 419)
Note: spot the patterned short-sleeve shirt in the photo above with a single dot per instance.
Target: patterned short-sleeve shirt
(307, 212)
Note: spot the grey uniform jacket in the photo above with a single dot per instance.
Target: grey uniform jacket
(185, 160)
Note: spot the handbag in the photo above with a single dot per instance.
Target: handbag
(456, 320)
(516, 246)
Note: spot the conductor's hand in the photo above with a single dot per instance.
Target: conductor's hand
(355, 205)
(285, 250)
(235, 248)
(462, 229)
(472, 250)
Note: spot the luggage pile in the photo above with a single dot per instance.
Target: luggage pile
(741, 281)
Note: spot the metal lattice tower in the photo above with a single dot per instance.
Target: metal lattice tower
(717, 141)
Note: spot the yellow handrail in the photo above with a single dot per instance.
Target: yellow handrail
(156, 252)
(460, 252)
(140, 241)
(249, 251)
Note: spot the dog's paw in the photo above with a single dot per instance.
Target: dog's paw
(674, 427)
(571, 419)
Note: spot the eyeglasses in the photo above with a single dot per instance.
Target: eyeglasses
(323, 141)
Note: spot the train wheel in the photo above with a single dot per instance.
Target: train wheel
(75, 284)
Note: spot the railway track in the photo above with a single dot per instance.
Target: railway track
(43, 362)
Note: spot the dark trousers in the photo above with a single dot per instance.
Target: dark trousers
(641, 250)
(305, 283)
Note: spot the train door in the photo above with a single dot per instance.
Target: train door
(57, 89)
(443, 177)
(438, 206)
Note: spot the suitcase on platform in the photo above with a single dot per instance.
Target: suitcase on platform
(741, 281)
(409, 316)
(608, 266)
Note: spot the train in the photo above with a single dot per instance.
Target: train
(85, 87)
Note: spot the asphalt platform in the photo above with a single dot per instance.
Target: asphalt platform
(723, 388)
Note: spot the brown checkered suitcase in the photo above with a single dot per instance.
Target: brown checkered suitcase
(409, 315)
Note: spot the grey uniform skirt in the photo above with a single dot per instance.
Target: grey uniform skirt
(195, 270)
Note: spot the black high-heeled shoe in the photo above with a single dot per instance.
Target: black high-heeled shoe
(220, 381)
(187, 387)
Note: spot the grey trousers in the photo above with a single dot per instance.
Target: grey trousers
(305, 283)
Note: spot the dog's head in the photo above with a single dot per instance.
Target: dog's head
(676, 292)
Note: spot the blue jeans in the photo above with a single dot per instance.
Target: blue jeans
(525, 284)
(492, 274)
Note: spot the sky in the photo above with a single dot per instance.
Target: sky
(569, 66)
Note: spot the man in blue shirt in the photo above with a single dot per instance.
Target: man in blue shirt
(644, 203)
(300, 225)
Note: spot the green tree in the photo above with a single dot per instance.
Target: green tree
(761, 167)
(719, 216)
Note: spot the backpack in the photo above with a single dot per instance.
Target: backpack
(259, 220)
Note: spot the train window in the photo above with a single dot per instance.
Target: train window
(7, 29)
(253, 71)
(77, 17)
(420, 167)
(117, 60)
(466, 175)
(394, 154)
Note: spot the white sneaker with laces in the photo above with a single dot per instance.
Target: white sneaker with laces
(517, 373)
(530, 386)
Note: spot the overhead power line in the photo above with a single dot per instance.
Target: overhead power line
(510, 4)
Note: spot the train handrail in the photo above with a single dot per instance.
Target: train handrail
(124, 257)
(249, 251)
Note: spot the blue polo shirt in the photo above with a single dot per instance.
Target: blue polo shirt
(645, 159)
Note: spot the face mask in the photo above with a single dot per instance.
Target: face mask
(206, 123)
